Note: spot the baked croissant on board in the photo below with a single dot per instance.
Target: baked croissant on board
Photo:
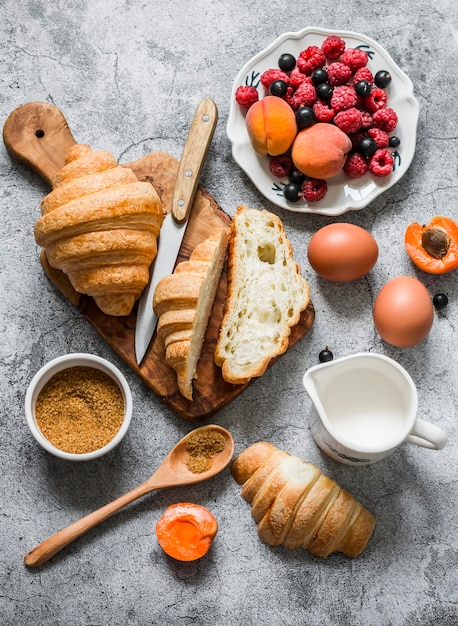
(296, 505)
(100, 225)
(183, 302)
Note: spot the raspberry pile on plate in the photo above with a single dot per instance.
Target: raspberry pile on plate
(332, 84)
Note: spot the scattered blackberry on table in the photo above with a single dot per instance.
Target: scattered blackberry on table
(325, 355)
(440, 301)
(305, 117)
(278, 88)
(382, 79)
(292, 192)
(287, 62)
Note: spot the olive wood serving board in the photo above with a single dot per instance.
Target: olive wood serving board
(38, 134)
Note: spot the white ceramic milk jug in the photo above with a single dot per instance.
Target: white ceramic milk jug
(365, 406)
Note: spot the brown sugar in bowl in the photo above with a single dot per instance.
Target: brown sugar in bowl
(78, 407)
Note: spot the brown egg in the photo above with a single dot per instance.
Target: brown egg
(342, 252)
(403, 312)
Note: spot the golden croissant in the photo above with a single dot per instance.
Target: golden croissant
(296, 505)
(100, 225)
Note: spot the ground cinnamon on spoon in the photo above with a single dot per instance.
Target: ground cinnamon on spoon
(202, 447)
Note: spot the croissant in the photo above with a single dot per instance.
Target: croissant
(100, 225)
(183, 302)
(295, 505)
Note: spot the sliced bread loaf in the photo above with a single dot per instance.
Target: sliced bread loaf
(183, 303)
(266, 295)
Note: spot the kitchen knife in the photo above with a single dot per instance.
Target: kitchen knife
(174, 226)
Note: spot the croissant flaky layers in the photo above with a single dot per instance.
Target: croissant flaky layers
(100, 225)
(295, 505)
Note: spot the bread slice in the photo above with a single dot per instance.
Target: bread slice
(183, 302)
(266, 295)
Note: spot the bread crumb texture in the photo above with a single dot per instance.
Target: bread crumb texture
(266, 295)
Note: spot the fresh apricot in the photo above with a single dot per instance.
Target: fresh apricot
(320, 151)
(271, 126)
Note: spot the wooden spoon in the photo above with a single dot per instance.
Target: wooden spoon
(172, 472)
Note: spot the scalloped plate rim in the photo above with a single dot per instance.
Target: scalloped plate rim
(349, 203)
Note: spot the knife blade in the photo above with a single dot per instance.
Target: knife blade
(173, 228)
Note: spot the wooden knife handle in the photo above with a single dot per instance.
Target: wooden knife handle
(193, 158)
(37, 134)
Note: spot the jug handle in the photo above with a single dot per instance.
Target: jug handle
(427, 435)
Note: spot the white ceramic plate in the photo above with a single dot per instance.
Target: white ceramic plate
(344, 194)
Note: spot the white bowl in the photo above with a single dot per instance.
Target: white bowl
(344, 194)
(47, 372)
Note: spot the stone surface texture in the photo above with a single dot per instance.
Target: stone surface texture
(128, 75)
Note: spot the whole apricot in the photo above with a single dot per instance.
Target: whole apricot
(320, 151)
(271, 126)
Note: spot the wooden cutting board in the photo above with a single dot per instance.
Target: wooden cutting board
(37, 134)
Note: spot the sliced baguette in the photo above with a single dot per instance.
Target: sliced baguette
(183, 302)
(266, 295)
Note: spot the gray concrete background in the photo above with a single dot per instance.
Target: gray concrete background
(128, 76)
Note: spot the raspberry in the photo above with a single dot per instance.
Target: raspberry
(281, 165)
(349, 120)
(343, 97)
(296, 78)
(338, 74)
(288, 97)
(381, 162)
(314, 189)
(246, 96)
(385, 119)
(333, 46)
(379, 136)
(366, 120)
(323, 112)
(355, 165)
(363, 73)
(312, 58)
(268, 77)
(355, 58)
(376, 100)
(305, 96)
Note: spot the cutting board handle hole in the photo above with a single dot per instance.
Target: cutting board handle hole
(39, 133)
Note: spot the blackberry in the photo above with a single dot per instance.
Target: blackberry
(367, 146)
(319, 76)
(324, 91)
(325, 355)
(278, 88)
(363, 88)
(305, 117)
(292, 192)
(440, 301)
(296, 176)
(394, 142)
(382, 79)
(287, 62)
